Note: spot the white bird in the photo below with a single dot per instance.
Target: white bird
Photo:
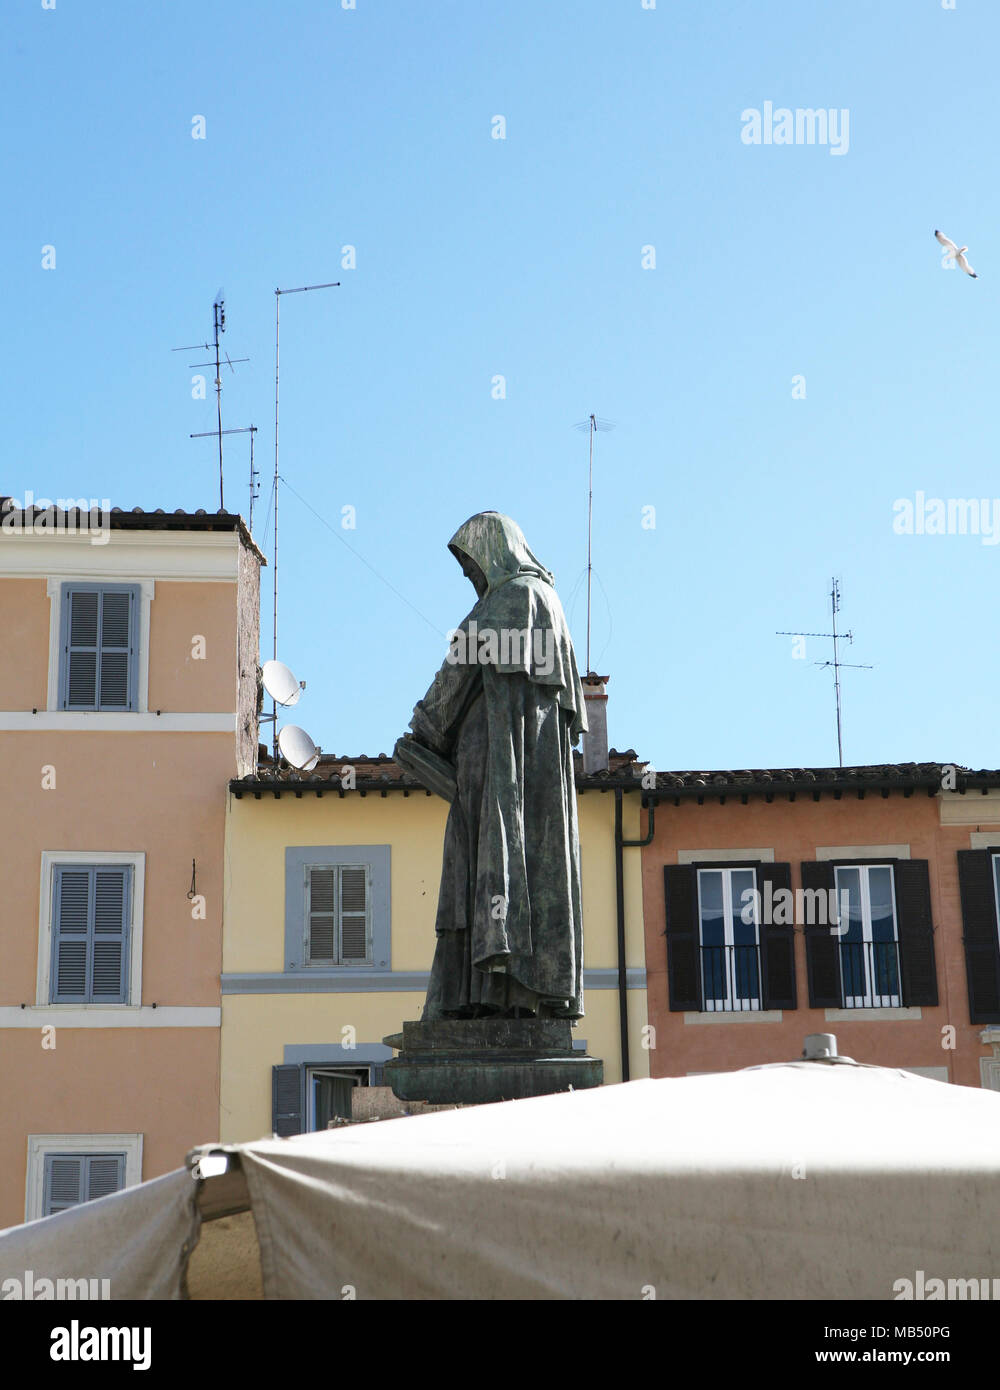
(956, 253)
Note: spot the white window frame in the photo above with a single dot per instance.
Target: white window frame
(54, 587)
(39, 1145)
(867, 1000)
(328, 1069)
(50, 858)
(728, 1004)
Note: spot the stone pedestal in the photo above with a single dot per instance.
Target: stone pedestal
(477, 1061)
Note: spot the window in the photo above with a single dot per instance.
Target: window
(307, 1095)
(67, 1169)
(337, 915)
(98, 667)
(74, 1178)
(979, 882)
(880, 955)
(91, 912)
(90, 929)
(337, 908)
(869, 949)
(328, 1093)
(730, 951)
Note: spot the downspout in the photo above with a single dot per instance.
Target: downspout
(620, 846)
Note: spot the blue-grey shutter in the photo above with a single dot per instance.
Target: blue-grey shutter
(105, 1174)
(64, 1178)
(99, 640)
(70, 936)
(353, 912)
(321, 888)
(81, 649)
(110, 938)
(116, 648)
(287, 1100)
(90, 934)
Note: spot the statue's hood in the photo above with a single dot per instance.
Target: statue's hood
(497, 545)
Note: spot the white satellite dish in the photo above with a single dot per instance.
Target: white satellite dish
(280, 684)
(298, 748)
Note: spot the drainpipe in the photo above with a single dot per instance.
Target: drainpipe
(620, 846)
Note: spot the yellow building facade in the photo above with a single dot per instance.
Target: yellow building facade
(297, 1035)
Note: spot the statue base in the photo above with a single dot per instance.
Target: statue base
(482, 1060)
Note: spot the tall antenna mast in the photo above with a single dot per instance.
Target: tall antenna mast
(219, 326)
(592, 424)
(302, 289)
(836, 663)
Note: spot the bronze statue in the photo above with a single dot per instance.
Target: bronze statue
(494, 736)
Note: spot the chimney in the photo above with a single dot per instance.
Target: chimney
(595, 740)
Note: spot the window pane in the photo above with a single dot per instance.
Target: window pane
(744, 933)
(710, 899)
(880, 898)
(849, 881)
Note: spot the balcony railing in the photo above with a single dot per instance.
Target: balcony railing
(730, 978)
(870, 974)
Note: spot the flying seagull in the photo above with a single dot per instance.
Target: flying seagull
(956, 253)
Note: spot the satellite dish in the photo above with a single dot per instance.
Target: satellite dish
(280, 684)
(298, 748)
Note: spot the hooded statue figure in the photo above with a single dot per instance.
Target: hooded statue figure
(494, 735)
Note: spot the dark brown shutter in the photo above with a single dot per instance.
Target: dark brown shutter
(822, 944)
(982, 945)
(916, 932)
(680, 884)
(777, 943)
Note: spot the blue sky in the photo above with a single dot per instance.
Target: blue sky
(522, 257)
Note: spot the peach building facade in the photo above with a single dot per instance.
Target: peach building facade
(861, 902)
(128, 699)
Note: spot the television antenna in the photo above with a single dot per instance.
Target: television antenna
(836, 663)
(592, 424)
(301, 289)
(254, 473)
(295, 745)
(219, 326)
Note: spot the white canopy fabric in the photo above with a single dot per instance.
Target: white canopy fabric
(138, 1240)
(807, 1180)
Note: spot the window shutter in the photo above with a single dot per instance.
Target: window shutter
(916, 932)
(322, 944)
(354, 912)
(822, 944)
(287, 1100)
(105, 1174)
(63, 1182)
(110, 935)
(99, 649)
(982, 945)
(81, 649)
(680, 884)
(116, 630)
(71, 936)
(777, 943)
(90, 935)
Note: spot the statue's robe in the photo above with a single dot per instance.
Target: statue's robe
(505, 713)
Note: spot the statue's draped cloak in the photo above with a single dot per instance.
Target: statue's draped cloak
(509, 918)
